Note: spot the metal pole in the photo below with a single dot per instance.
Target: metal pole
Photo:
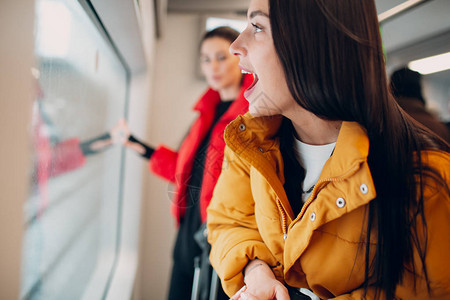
(196, 281)
(214, 285)
(400, 9)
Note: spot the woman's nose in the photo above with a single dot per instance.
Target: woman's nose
(236, 48)
(214, 65)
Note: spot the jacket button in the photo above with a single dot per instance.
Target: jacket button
(261, 150)
(340, 202)
(241, 127)
(364, 189)
(312, 217)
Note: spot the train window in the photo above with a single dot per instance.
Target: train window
(73, 210)
(236, 23)
(416, 34)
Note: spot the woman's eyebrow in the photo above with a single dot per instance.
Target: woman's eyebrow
(257, 13)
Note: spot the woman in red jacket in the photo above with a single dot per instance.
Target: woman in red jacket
(196, 166)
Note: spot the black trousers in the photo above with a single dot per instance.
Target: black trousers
(181, 283)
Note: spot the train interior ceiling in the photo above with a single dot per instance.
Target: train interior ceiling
(100, 226)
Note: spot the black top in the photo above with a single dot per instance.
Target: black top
(186, 248)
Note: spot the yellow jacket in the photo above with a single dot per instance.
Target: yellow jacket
(322, 248)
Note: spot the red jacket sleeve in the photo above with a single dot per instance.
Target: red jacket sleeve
(163, 163)
(66, 156)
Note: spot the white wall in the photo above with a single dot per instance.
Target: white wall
(127, 279)
(16, 86)
(436, 92)
(175, 90)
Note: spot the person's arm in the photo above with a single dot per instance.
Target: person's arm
(121, 134)
(260, 283)
(71, 154)
(232, 229)
(66, 156)
(162, 160)
(96, 145)
(141, 148)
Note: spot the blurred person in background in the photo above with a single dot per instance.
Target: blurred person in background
(407, 89)
(54, 156)
(195, 167)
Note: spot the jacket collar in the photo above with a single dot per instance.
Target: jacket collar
(249, 129)
(349, 160)
(352, 145)
(247, 133)
(352, 148)
(211, 98)
(208, 101)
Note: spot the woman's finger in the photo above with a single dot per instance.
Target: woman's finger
(238, 293)
(282, 293)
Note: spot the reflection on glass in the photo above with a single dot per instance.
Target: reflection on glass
(73, 207)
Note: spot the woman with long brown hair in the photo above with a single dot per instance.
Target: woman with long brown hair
(330, 190)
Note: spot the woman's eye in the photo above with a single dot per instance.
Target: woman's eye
(221, 58)
(256, 28)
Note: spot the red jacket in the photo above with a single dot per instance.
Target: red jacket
(52, 161)
(177, 166)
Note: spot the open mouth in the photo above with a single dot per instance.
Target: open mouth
(251, 88)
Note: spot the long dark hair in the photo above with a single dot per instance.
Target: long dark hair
(225, 32)
(332, 58)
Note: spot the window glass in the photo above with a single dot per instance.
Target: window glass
(73, 209)
(214, 22)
